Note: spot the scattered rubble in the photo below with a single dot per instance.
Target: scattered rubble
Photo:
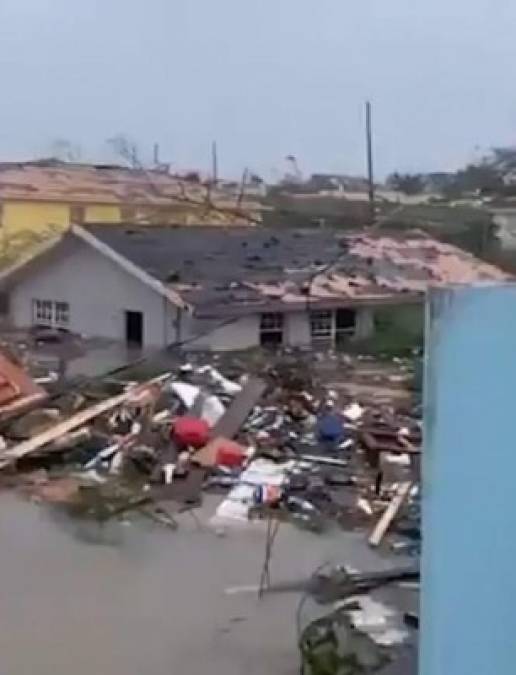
(284, 439)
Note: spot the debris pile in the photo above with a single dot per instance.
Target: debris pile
(283, 445)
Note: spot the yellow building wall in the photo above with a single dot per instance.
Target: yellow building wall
(25, 225)
(18, 216)
(97, 213)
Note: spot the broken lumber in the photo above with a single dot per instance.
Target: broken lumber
(237, 413)
(320, 459)
(30, 446)
(390, 513)
(70, 440)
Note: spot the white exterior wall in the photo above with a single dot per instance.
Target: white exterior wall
(244, 333)
(240, 334)
(297, 329)
(98, 292)
(297, 326)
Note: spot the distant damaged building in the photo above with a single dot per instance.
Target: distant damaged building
(230, 288)
(44, 197)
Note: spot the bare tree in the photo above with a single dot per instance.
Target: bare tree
(65, 150)
(126, 148)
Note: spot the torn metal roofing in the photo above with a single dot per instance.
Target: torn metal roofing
(237, 269)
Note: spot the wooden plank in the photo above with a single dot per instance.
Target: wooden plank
(21, 405)
(319, 459)
(237, 413)
(390, 513)
(79, 419)
(69, 440)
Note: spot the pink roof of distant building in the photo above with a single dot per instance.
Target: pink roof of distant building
(56, 181)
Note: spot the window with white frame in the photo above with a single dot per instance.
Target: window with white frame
(321, 324)
(50, 313)
(334, 327)
(62, 314)
(271, 329)
(42, 311)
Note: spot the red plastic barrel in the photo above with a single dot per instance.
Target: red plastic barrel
(191, 431)
(230, 454)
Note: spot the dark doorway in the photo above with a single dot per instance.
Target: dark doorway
(134, 328)
(345, 326)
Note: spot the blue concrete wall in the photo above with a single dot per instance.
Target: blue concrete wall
(469, 487)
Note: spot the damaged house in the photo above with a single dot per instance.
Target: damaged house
(229, 288)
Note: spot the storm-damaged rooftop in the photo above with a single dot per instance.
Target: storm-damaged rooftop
(220, 270)
(82, 184)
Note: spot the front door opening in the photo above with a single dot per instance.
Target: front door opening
(134, 328)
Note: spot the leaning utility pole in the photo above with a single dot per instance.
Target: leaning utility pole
(370, 173)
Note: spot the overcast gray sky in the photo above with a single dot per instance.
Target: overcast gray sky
(265, 78)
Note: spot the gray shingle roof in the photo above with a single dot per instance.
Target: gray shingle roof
(235, 269)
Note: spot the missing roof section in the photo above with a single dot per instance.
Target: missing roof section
(239, 269)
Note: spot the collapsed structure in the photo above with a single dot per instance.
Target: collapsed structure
(230, 288)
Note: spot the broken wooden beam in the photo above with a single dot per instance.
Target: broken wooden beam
(390, 513)
(237, 413)
(80, 418)
(69, 440)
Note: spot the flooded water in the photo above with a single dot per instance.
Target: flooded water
(131, 599)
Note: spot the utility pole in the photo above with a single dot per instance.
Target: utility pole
(241, 192)
(370, 173)
(214, 163)
(156, 155)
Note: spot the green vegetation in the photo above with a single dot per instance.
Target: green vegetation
(399, 330)
(469, 228)
(287, 210)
